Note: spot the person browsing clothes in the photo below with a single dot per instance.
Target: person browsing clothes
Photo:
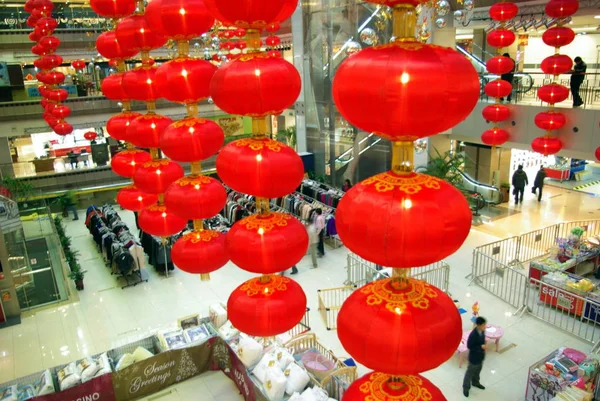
(477, 346)
(519, 181)
(319, 221)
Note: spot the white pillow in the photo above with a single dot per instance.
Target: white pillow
(297, 379)
(68, 377)
(308, 395)
(249, 351)
(103, 364)
(217, 314)
(283, 357)
(268, 360)
(10, 393)
(227, 331)
(45, 385)
(274, 384)
(87, 368)
(141, 353)
(296, 397)
(315, 394)
(26, 392)
(125, 361)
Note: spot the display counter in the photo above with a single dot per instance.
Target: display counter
(558, 173)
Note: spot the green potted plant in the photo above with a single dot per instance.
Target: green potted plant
(77, 276)
(505, 188)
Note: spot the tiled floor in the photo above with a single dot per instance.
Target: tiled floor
(107, 316)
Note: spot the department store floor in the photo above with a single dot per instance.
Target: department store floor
(106, 316)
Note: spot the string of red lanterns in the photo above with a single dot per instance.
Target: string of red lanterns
(554, 65)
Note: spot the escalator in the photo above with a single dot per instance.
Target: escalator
(478, 194)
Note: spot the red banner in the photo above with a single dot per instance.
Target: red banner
(98, 389)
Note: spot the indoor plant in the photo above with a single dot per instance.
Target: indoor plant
(77, 275)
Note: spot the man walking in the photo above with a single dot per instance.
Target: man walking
(538, 183)
(477, 346)
(319, 222)
(577, 77)
(519, 181)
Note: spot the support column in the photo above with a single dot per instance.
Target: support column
(298, 52)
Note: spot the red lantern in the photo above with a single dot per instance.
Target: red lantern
(45, 103)
(597, 153)
(265, 309)
(273, 41)
(90, 135)
(557, 64)
(500, 65)
(131, 198)
(196, 197)
(155, 176)
(558, 36)
(29, 6)
(495, 137)
(200, 252)
(47, 25)
(562, 8)
(240, 44)
(134, 33)
(112, 87)
(276, 26)
(51, 78)
(78, 65)
(127, 162)
(50, 119)
(381, 386)
(32, 21)
(553, 93)
(185, 80)
(146, 130)
(63, 128)
(426, 325)
(546, 145)
(117, 125)
(501, 38)
(240, 32)
(268, 243)
(56, 95)
(227, 46)
(253, 166)
(108, 46)
(399, 206)
(550, 120)
(192, 139)
(35, 36)
(51, 43)
(113, 8)
(45, 6)
(428, 78)
(157, 220)
(496, 113)
(256, 14)
(113, 63)
(184, 19)
(503, 11)
(255, 85)
(39, 50)
(139, 84)
(60, 111)
(48, 62)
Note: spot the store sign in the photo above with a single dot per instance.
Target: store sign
(98, 389)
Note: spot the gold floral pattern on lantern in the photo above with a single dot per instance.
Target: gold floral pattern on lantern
(252, 56)
(189, 122)
(193, 180)
(156, 163)
(259, 144)
(378, 385)
(200, 236)
(414, 292)
(265, 223)
(157, 208)
(410, 45)
(410, 184)
(406, 138)
(255, 286)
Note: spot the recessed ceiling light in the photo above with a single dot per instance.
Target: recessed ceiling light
(597, 16)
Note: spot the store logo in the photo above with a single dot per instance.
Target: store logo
(92, 397)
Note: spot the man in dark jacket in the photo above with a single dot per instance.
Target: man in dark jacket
(519, 181)
(477, 346)
(538, 183)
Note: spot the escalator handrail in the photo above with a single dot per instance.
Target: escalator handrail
(491, 77)
(477, 183)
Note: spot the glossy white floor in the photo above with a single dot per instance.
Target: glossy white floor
(107, 316)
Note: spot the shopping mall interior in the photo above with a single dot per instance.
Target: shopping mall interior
(399, 170)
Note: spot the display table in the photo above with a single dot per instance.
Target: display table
(541, 267)
(558, 174)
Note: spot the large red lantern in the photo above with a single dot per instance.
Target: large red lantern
(556, 64)
(63, 128)
(183, 19)
(50, 43)
(131, 198)
(39, 50)
(246, 14)
(255, 85)
(109, 46)
(45, 6)
(561, 8)
(196, 197)
(192, 139)
(127, 162)
(48, 62)
(550, 120)
(553, 93)
(254, 166)
(113, 8)
(139, 84)
(61, 111)
(495, 137)
(558, 36)
(50, 119)
(146, 130)
(117, 125)
(500, 65)
(112, 87)
(134, 33)
(546, 145)
(408, 225)
(377, 386)
(501, 38)
(185, 80)
(200, 252)
(496, 113)
(268, 243)
(47, 25)
(35, 36)
(153, 17)
(57, 95)
(413, 323)
(90, 135)
(155, 176)
(503, 11)
(157, 220)
(426, 78)
(51, 78)
(266, 308)
(29, 6)
(78, 65)
(497, 88)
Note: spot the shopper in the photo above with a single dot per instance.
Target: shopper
(71, 204)
(319, 222)
(509, 76)
(477, 346)
(519, 181)
(577, 77)
(538, 183)
(313, 242)
(347, 185)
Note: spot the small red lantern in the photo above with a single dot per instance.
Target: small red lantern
(134, 33)
(597, 153)
(558, 36)
(561, 8)
(157, 220)
(51, 78)
(32, 21)
(272, 41)
(45, 6)
(500, 64)
(426, 325)
(553, 93)
(140, 84)
(227, 46)
(127, 162)
(381, 386)
(251, 15)
(192, 139)
(56, 95)
(47, 25)
(240, 44)
(196, 197)
(184, 19)
(497, 88)
(131, 198)
(29, 6)
(557, 64)
(155, 176)
(35, 36)
(48, 62)
(496, 113)
(399, 206)
(90, 135)
(63, 128)
(503, 11)
(78, 65)
(501, 38)
(495, 137)
(546, 145)
(253, 166)
(185, 80)
(113, 8)
(550, 120)
(50, 119)
(268, 243)
(114, 63)
(200, 252)
(146, 130)
(109, 46)
(112, 87)
(50, 43)
(255, 85)
(266, 308)
(61, 111)
(39, 50)
(117, 125)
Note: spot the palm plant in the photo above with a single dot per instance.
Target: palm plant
(446, 166)
(288, 136)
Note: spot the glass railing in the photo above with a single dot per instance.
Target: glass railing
(13, 17)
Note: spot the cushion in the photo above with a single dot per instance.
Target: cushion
(87, 368)
(260, 370)
(274, 384)
(297, 379)
(125, 361)
(10, 393)
(249, 351)
(284, 358)
(141, 353)
(45, 385)
(68, 377)
(103, 364)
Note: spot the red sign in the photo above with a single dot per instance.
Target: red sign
(98, 389)
(562, 300)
